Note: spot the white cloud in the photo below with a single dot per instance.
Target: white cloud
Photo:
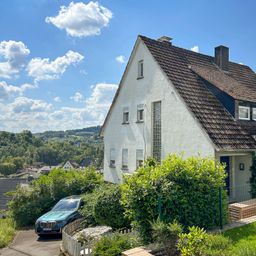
(27, 105)
(7, 91)
(44, 69)
(120, 59)
(80, 19)
(57, 99)
(38, 115)
(78, 97)
(195, 48)
(14, 53)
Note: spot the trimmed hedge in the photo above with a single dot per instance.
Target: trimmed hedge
(183, 190)
(103, 207)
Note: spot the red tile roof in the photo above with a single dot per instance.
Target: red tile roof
(185, 69)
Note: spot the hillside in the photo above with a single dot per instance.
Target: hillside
(18, 150)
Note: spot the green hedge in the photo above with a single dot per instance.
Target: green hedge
(103, 207)
(178, 189)
(29, 203)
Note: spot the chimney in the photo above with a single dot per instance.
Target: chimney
(165, 39)
(222, 57)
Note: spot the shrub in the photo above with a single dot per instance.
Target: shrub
(192, 243)
(28, 204)
(185, 190)
(167, 234)
(115, 244)
(7, 231)
(198, 242)
(108, 209)
(247, 248)
(103, 207)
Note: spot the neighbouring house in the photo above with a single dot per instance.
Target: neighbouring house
(70, 165)
(6, 185)
(173, 100)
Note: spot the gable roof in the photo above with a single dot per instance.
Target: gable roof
(185, 69)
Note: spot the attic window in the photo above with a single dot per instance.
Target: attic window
(140, 69)
(244, 113)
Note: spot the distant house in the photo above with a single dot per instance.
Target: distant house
(173, 100)
(70, 165)
(6, 185)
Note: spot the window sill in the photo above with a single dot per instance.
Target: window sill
(140, 77)
(139, 122)
(112, 166)
(125, 123)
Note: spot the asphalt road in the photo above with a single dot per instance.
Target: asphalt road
(27, 243)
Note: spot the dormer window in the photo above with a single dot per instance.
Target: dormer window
(140, 69)
(244, 113)
(125, 115)
(254, 114)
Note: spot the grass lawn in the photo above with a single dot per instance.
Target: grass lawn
(7, 231)
(244, 239)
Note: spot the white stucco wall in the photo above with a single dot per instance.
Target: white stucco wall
(180, 131)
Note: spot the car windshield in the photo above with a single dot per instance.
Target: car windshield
(66, 205)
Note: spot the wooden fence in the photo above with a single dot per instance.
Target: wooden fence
(73, 247)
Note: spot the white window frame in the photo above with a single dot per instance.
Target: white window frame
(112, 158)
(249, 113)
(140, 108)
(126, 115)
(254, 113)
(125, 154)
(141, 69)
(139, 157)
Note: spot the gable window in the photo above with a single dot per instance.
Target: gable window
(139, 158)
(126, 116)
(244, 113)
(254, 114)
(112, 158)
(140, 113)
(124, 158)
(140, 69)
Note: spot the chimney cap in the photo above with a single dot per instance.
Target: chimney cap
(165, 39)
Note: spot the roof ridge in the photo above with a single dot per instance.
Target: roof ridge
(190, 51)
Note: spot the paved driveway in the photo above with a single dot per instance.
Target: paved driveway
(27, 243)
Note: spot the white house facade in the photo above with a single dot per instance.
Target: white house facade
(151, 116)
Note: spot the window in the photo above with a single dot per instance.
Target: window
(140, 69)
(140, 113)
(126, 116)
(254, 114)
(157, 136)
(244, 113)
(139, 158)
(125, 158)
(112, 157)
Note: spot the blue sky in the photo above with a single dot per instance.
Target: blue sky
(61, 61)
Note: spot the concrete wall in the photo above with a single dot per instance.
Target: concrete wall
(181, 133)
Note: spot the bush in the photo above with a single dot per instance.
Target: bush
(248, 248)
(108, 209)
(103, 207)
(198, 242)
(28, 204)
(7, 231)
(167, 235)
(185, 190)
(115, 244)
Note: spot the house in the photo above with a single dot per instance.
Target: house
(70, 165)
(173, 100)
